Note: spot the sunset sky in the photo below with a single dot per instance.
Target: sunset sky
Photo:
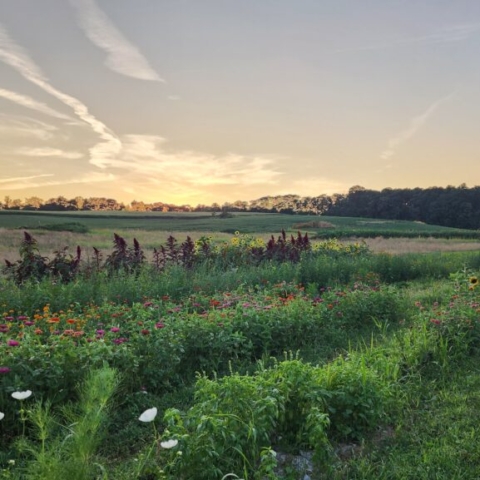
(201, 101)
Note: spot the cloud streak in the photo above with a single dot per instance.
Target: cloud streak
(48, 152)
(31, 103)
(147, 155)
(122, 56)
(23, 179)
(15, 56)
(25, 183)
(455, 33)
(26, 127)
(416, 123)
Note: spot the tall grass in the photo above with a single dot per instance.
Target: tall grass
(315, 271)
(69, 449)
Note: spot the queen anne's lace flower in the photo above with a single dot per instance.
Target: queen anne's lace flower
(21, 395)
(148, 415)
(169, 444)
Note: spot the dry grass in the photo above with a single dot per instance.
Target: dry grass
(48, 242)
(418, 245)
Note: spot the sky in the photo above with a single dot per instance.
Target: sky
(202, 101)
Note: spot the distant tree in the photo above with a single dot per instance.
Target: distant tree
(33, 203)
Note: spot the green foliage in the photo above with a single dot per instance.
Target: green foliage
(235, 418)
(34, 267)
(383, 357)
(69, 450)
(75, 227)
(245, 222)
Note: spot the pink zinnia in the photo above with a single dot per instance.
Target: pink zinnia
(159, 325)
(13, 343)
(115, 329)
(4, 369)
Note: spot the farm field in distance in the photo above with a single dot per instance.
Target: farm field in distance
(56, 230)
(233, 356)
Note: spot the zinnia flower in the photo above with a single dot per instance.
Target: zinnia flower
(13, 343)
(148, 415)
(4, 369)
(169, 443)
(21, 395)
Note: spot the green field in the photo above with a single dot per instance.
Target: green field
(242, 222)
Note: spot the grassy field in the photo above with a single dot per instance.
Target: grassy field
(366, 361)
(55, 230)
(262, 223)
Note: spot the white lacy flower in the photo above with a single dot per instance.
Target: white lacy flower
(148, 415)
(169, 444)
(21, 395)
(2, 415)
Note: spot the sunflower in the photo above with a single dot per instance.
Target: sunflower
(473, 281)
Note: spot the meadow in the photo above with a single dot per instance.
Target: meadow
(236, 355)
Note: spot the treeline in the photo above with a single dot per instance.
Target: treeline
(447, 206)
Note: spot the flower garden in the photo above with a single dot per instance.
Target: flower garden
(209, 362)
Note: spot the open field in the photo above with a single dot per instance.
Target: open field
(152, 230)
(266, 223)
(363, 360)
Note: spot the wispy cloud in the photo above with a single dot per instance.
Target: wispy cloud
(416, 123)
(450, 34)
(48, 152)
(15, 56)
(26, 127)
(31, 103)
(454, 33)
(122, 56)
(27, 183)
(24, 179)
(147, 155)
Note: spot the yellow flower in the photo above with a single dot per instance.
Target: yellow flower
(473, 281)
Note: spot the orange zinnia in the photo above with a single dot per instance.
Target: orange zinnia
(53, 320)
(71, 321)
